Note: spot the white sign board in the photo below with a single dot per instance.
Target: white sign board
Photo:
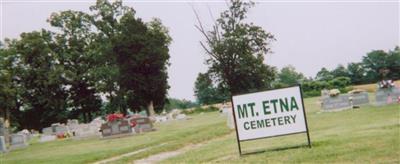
(269, 113)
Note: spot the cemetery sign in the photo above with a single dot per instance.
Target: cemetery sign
(269, 113)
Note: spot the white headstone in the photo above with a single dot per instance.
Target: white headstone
(181, 116)
(229, 119)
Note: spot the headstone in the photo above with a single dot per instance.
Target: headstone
(324, 93)
(172, 115)
(360, 98)
(229, 119)
(161, 118)
(18, 141)
(338, 102)
(88, 130)
(2, 128)
(115, 127)
(385, 96)
(181, 116)
(142, 124)
(47, 138)
(73, 122)
(4, 131)
(61, 129)
(3, 148)
(47, 131)
(27, 134)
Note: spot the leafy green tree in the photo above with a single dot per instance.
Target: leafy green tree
(8, 90)
(207, 92)
(43, 97)
(105, 19)
(340, 71)
(356, 73)
(289, 77)
(77, 57)
(139, 51)
(394, 60)
(380, 65)
(236, 50)
(324, 75)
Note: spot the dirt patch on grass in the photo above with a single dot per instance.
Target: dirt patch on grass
(126, 154)
(165, 155)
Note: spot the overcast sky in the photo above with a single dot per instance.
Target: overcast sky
(310, 34)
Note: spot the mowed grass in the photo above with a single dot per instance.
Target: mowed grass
(169, 136)
(368, 134)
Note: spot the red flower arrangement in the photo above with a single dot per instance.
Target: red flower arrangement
(114, 117)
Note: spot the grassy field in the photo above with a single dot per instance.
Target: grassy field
(369, 134)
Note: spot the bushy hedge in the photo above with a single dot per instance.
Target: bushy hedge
(313, 88)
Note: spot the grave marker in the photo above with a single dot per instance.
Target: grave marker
(142, 124)
(338, 102)
(115, 127)
(385, 96)
(3, 148)
(360, 98)
(18, 141)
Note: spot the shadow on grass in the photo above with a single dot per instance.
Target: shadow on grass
(275, 149)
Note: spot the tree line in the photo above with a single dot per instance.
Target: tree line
(375, 66)
(107, 60)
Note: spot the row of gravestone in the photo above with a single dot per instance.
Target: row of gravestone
(95, 128)
(347, 101)
(132, 125)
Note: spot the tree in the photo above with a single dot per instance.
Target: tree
(105, 19)
(381, 65)
(77, 57)
(289, 77)
(356, 73)
(139, 51)
(39, 79)
(324, 75)
(340, 71)
(236, 50)
(207, 92)
(394, 66)
(8, 91)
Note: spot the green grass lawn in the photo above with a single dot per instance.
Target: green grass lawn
(368, 134)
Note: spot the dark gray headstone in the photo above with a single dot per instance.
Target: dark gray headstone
(338, 102)
(360, 98)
